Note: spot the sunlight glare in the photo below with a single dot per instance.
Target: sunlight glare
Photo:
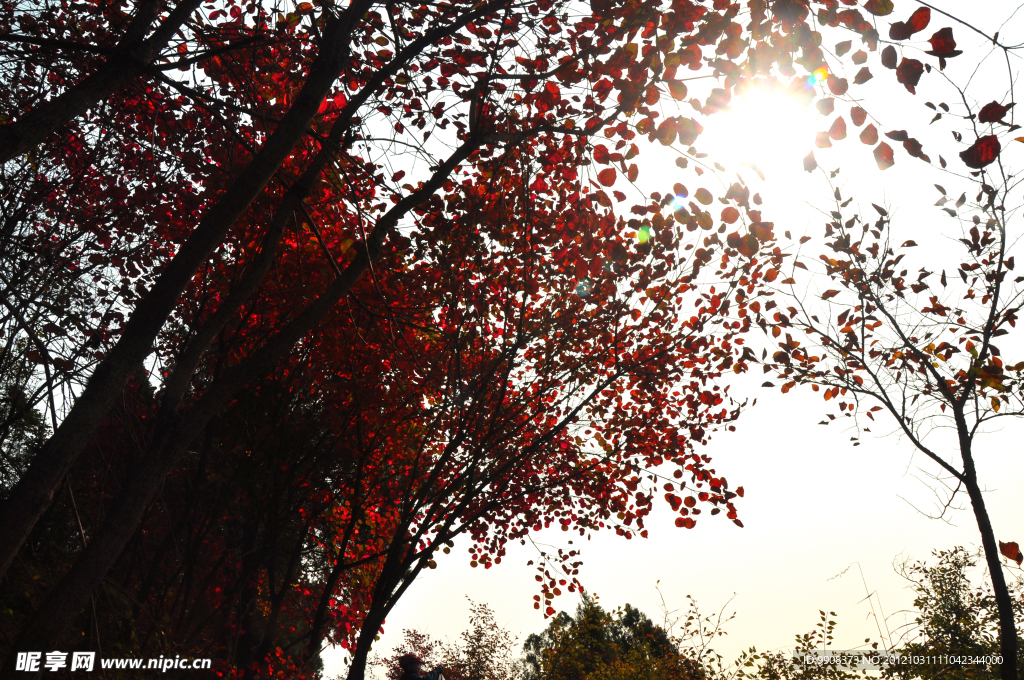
(768, 129)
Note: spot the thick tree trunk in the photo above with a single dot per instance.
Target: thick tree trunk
(34, 491)
(1004, 603)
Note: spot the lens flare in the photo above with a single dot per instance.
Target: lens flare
(817, 77)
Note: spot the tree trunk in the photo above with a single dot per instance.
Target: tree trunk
(1004, 603)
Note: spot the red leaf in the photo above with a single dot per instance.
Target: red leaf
(913, 147)
(918, 21)
(838, 129)
(909, 73)
(838, 86)
(858, 115)
(943, 44)
(981, 153)
(730, 215)
(601, 154)
(869, 135)
(889, 57)
(883, 156)
(993, 112)
(633, 172)
(863, 76)
(606, 177)
(901, 30)
(1011, 551)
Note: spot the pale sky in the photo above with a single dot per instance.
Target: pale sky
(814, 504)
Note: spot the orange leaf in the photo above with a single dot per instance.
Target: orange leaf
(730, 215)
(748, 246)
(1011, 551)
(703, 196)
(677, 89)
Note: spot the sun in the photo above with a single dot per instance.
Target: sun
(770, 130)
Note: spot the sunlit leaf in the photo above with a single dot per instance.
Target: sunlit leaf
(879, 8)
(838, 129)
(677, 89)
(883, 156)
(810, 164)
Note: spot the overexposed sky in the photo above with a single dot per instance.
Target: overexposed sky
(814, 504)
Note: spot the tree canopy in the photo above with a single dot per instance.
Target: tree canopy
(296, 294)
(592, 643)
